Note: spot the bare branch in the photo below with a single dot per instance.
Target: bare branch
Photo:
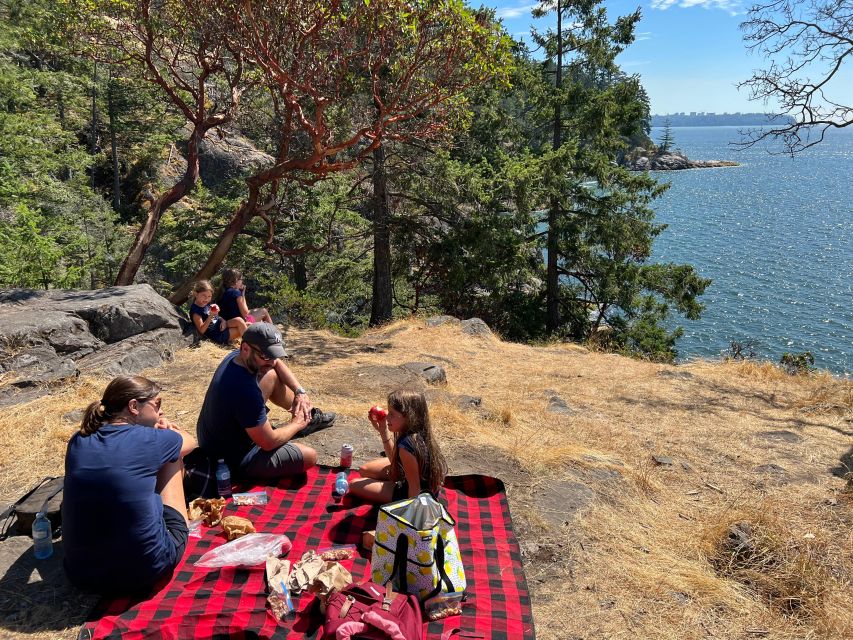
(807, 42)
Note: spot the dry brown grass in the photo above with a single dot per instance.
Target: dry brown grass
(757, 550)
(643, 559)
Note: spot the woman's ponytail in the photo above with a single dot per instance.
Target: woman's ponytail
(93, 418)
(116, 397)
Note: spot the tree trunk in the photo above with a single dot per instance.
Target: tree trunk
(552, 280)
(237, 223)
(271, 177)
(145, 235)
(111, 112)
(93, 147)
(93, 133)
(381, 307)
(300, 275)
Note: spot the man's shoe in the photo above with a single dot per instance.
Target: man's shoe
(319, 420)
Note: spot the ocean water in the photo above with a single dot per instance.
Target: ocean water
(776, 237)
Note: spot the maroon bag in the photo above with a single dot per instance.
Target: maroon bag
(369, 611)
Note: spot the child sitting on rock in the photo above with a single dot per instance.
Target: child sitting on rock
(205, 316)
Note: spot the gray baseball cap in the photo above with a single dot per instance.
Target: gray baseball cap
(267, 338)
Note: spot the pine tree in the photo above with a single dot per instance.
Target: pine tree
(667, 139)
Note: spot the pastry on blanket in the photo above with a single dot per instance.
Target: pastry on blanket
(235, 526)
(209, 509)
(337, 554)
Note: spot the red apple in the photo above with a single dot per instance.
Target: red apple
(214, 308)
(377, 413)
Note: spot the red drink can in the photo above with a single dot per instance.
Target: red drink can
(346, 456)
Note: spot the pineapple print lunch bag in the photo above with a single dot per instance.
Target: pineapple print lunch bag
(416, 548)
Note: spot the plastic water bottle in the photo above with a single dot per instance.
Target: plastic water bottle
(341, 486)
(42, 537)
(223, 479)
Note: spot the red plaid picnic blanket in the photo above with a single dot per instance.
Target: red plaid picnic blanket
(231, 603)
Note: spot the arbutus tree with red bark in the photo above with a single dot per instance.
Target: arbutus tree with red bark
(176, 46)
(343, 77)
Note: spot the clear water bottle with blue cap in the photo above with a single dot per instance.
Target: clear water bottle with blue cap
(341, 486)
(223, 479)
(42, 537)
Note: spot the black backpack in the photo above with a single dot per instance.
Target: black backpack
(45, 496)
(199, 476)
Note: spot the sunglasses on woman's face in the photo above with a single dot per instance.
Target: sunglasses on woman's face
(155, 402)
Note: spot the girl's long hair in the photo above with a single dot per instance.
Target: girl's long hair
(229, 279)
(413, 406)
(117, 395)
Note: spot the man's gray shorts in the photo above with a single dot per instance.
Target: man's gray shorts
(269, 465)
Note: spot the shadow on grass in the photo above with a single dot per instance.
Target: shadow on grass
(313, 350)
(713, 397)
(845, 465)
(35, 595)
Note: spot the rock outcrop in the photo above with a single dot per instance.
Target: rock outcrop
(47, 337)
(641, 160)
(228, 155)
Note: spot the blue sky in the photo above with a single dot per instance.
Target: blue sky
(689, 53)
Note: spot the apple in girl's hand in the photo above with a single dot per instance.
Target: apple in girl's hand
(214, 308)
(377, 413)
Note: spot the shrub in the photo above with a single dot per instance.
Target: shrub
(797, 363)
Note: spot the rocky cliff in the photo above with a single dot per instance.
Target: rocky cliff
(642, 160)
(47, 337)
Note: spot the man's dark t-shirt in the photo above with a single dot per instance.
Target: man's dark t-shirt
(113, 531)
(233, 403)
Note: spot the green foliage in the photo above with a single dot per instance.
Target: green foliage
(797, 363)
(667, 138)
(31, 256)
(469, 212)
(599, 217)
(54, 230)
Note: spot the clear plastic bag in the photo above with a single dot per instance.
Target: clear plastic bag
(195, 530)
(251, 498)
(444, 605)
(247, 551)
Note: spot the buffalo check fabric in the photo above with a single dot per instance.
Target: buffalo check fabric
(231, 603)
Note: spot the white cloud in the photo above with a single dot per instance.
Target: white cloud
(732, 7)
(643, 35)
(515, 12)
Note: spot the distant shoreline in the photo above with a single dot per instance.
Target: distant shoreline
(642, 160)
(719, 120)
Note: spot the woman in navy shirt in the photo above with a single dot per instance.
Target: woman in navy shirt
(124, 524)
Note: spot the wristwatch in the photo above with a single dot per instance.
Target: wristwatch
(299, 391)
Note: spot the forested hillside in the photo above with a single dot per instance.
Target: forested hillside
(383, 159)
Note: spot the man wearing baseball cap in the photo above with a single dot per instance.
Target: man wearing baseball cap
(233, 424)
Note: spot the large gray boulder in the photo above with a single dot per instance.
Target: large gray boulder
(225, 155)
(475, 327)
(431, 373)
(47, 337)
